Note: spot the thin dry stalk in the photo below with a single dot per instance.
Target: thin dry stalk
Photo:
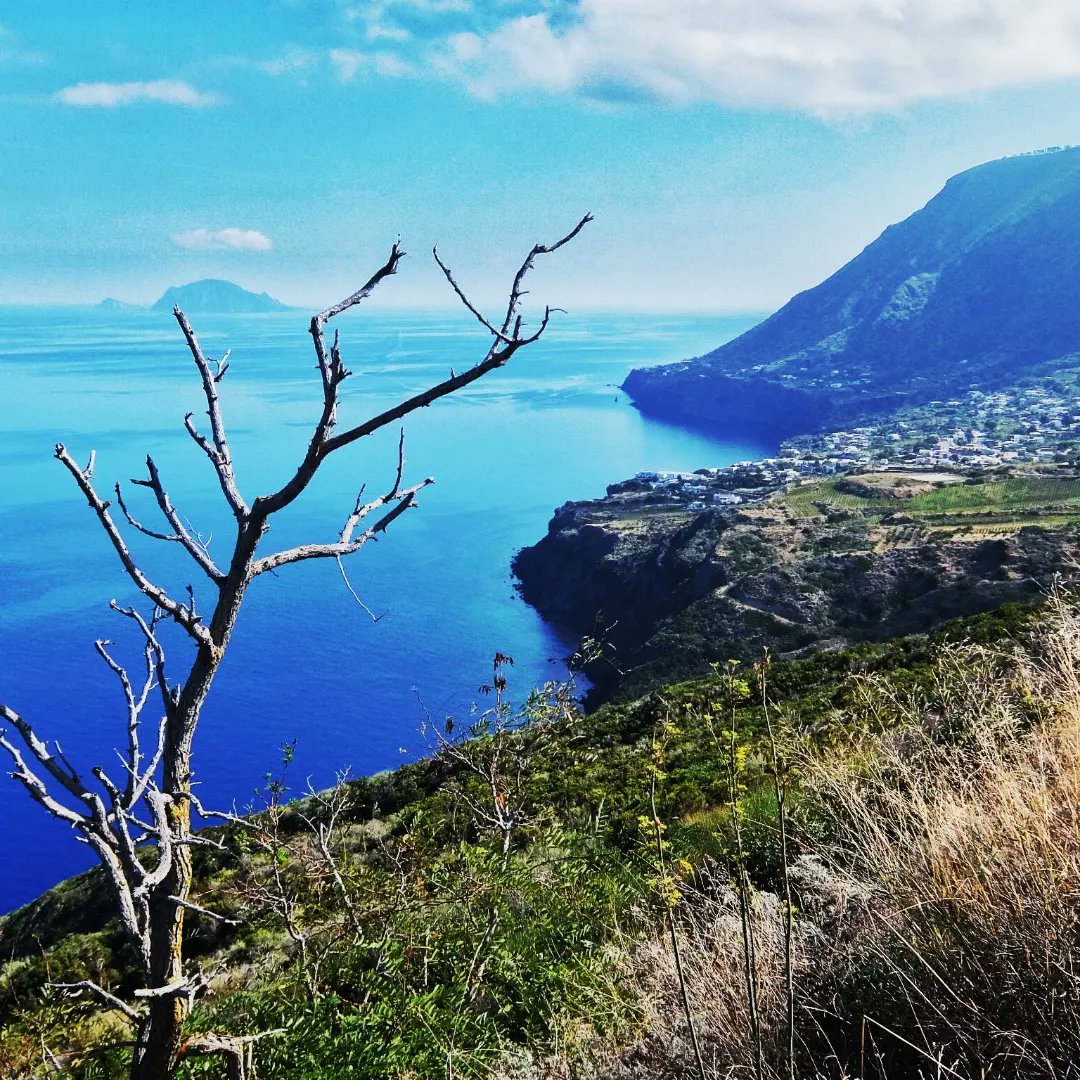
(780, 789)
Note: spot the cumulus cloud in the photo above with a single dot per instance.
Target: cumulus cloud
(159, 91)
(231, 239)
(821, 56)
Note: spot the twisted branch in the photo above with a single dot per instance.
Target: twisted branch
(219, 454)
(87, 986)
(348, 544)
(180, 535)
(181, 614)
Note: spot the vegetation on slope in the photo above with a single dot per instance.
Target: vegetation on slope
(1008, 501)
(509, 907)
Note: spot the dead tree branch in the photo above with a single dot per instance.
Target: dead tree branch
(516, 291)
(141, 829)
(220, 455)
(235, 1049)
(86, 986)
(499, 334)
(193, 546)
(349, 543)
(181, 614)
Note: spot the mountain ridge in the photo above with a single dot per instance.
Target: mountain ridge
(972, 289)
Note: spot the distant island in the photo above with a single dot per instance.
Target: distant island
(109, 304)
(974, 291)
(215, 295)
(209, 295)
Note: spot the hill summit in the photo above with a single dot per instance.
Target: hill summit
(975, 290)
(215, 295)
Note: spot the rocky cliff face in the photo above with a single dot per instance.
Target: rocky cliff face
(607, 575)
(671, 592)
(977, 288)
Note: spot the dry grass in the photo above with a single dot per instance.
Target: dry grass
(964, 823)
(712, 957)
(938, 893)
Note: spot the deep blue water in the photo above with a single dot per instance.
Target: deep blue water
(306, 663)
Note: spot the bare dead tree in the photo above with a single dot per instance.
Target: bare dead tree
(140, 825)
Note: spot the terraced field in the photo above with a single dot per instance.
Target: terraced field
(959, 510)
(1013, 493)
(1028, 494)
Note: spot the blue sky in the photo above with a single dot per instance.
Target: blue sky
(733, 151)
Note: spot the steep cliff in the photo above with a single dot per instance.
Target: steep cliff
(671, 592)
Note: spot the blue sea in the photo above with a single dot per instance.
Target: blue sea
(306, 662)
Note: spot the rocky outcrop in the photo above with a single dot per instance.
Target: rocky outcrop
(671, 593)
(607, 575)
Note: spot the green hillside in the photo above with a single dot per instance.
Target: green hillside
(996, 506)
(509, 908)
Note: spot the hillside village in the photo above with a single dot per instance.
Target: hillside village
(1027, 425)
(1016, 425)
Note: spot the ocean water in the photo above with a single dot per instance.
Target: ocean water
(306, 663)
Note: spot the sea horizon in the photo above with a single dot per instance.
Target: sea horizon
(307, 663)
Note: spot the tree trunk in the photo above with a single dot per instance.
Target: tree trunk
(157, 1048)
(157, 1051)
(156, 1054)
(158, 1044)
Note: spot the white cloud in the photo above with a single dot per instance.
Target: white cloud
(159, 91)
(290, 62)
(391, 65)
(376, 9)
(231, 239)
(385, 32)
(11, 52)
(821, 56)
(348, 63)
